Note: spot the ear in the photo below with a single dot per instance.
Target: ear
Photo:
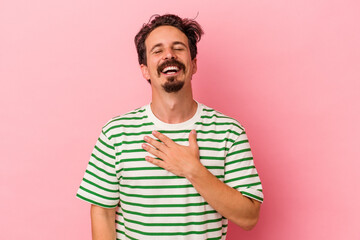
(194, 65)
(145, 71)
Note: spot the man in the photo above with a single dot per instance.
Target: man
(173, 169)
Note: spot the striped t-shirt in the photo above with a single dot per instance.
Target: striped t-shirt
(153, 203)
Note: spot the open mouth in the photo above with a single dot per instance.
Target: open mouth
(171, 70)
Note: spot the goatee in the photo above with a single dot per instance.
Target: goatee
(172, 85)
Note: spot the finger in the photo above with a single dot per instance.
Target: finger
(156, 162)
(155, 143)
(192, 140)
(163, 138)
(154, 151)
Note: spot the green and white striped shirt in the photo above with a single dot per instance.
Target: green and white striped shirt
(152, 202)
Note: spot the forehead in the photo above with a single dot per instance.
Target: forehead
(165, 35)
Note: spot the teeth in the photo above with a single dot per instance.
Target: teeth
(170, 68)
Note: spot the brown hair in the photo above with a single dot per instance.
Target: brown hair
(189, 27)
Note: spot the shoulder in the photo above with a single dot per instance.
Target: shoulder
(132, 118)
(212, 116)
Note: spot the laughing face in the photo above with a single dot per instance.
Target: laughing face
(169, 64)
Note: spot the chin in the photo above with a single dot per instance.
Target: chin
(173, 86)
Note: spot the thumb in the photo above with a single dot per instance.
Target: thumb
(192, 140)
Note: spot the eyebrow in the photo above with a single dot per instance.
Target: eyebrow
(156, 45)
(181, 43)
(174, 43)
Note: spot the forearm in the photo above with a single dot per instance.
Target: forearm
(184, 161)
(227, 201)
(103, 223)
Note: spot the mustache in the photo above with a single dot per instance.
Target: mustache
(171, 62)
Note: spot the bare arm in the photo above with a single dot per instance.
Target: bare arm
(185, 161)
(229, 202)
(103, 223)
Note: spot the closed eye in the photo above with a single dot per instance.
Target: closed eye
(179, 46)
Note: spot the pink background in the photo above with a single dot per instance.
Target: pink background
(289, 71)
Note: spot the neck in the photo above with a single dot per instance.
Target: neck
(175, 107)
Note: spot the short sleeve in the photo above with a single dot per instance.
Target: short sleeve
(240, 171)
(100, 185)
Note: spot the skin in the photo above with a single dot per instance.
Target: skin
(162, 44)
(103, 223)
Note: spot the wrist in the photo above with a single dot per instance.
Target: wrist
(195, 172)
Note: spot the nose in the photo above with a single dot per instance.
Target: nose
(169, 54)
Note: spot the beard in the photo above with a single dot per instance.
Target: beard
(172, 85)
